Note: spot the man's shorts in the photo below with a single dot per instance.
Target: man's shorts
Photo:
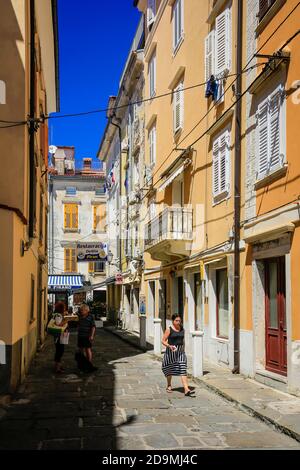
(84, 342)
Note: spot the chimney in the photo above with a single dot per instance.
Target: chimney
(87, 164)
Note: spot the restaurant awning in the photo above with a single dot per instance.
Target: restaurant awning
(64, 282)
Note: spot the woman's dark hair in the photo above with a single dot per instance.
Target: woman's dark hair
(59, 307)
(176, 316)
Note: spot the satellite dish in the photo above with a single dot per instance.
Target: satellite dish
(52, 148)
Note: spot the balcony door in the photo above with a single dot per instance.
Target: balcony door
(178, 192)
(276, 332)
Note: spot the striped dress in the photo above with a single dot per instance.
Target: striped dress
(175, 362)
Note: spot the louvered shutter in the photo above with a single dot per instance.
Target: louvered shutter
(91, 267)
(263, 139)
(223, 163)
(223, 42)
(263, 7)
(209, 55)
(67, 260)
(95, 217)
(177, 22)
(274, 115)
(216, 166)
(152, 72)
(67, 216)
(73, 260)
(75, 216)
(178, 107)
(151, 12)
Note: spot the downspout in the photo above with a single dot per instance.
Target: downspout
(31, 121)
(237, 188)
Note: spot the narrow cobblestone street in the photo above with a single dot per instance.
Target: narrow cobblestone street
(123, 405)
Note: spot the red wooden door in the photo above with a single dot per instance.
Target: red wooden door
(276, 335)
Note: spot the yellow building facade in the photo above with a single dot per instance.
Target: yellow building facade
(29, 87)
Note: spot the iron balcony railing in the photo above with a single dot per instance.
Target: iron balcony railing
(173, 223)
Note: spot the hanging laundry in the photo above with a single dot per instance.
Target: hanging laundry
(211, 88)
(219, 96)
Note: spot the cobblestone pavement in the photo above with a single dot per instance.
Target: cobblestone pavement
(124, 405)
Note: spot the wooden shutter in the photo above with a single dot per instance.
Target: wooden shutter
(67, 219)
(209, 55)
(177, 22)
(223, 42)
(75, 216)
(94, 217)
(264, 6)
(151, 12)
(263, 139)
(223, 163)
(67, 260)
(178, 107)
(152, 75)
(274, 146)
(73, 261)
(216, 166)
(91, 267)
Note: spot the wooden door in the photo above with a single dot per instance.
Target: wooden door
(276, 333)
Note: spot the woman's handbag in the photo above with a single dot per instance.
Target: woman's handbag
(64, 337)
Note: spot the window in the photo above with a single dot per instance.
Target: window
(152, 145)
(218, 46)
(97, 267)
(70, 260)
(222, 303)
(71, 191)
(71, 216)
(99, 217)
(178, 105)
(264, 6)
(271, 133)
(177, 23)
(151, 12)
(152, 209)
(99, 191)
(152, 75)
(221, 165)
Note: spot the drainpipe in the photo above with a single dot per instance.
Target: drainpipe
(120, 189)
(32, 124)
(237, 189)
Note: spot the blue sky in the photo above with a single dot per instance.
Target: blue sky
(94, 40)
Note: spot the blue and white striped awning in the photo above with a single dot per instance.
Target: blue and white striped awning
(64, 282)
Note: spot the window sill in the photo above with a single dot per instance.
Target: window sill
(221, 198)
(269, 15)
(71, 230)
(270, 178)
(178, 46)
(221, 340)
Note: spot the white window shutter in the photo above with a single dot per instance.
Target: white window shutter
(223, 42)
(223, 163)
(209, 55)
(152, 75)
(274, 145)
(263, 139)
(216, 170)
(178, 108)
(154, 144)
(151, 12)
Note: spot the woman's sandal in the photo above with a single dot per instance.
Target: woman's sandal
(189, 394)
(169, 389)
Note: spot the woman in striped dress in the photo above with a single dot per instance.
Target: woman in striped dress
(174, 361)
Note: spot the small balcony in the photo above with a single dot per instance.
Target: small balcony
(168, 237)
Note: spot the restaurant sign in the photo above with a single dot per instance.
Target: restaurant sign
(91, 251)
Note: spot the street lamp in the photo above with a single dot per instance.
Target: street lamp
(110, 257)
